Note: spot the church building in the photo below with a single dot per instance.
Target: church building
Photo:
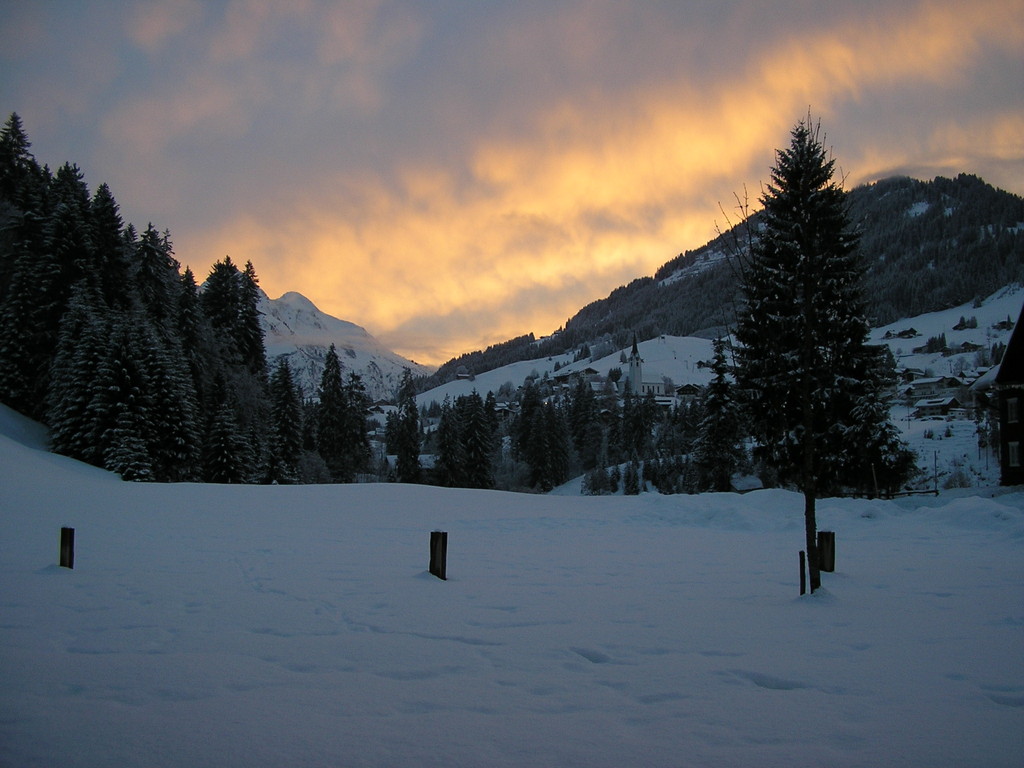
(636, 376)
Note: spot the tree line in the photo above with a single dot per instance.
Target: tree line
(104, 339)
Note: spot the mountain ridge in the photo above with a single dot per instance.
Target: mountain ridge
(927, 246)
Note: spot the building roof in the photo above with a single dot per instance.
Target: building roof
(1011, 370)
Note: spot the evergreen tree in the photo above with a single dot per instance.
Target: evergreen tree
(356, 437)
(190, 331)
(81, 346)
(330, 432)
(226, 453)
(157, 279)
(174, 413)
(719, 451)
(286, 427)
(631, 478)
(449, 469)
(249, 331)
(120, 410)
(407, 432)
(19, 172)
(477, 438)
(802, 326)
(220, 298)
(111, 259)
(585, 424)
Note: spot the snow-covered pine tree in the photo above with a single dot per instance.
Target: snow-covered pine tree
(226, 453)
(542, 439)
(219, 297)
(174, 411)
(125, 450)
(407, 432)
(585, 424)
(477, 438)
(330, 432)
(342, 439)
(802, 328)
(719, 450)
(450, 466)
(285, 448)
(120, 409)
(81, 347)
(156, 278)
(249, 332)
(111, 258)
(356, 437)
(19, 171)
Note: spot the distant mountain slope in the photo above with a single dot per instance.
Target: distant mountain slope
(927, 245)
(297, 329)
(665, 356)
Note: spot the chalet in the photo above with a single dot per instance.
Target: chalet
(911, 374)
(1009, 388)
(935, 386)
(687, 393)
(906, 333)
(568, 377)
(935, 407)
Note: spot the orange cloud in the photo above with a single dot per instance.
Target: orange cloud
(555, 206)
(152, 25)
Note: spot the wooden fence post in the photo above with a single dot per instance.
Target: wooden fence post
(439, 554)
(803, 573)
(827, 551)
(67, 547)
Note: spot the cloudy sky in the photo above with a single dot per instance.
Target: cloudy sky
(450, 174)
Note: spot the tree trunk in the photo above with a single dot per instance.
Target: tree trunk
(810, 485)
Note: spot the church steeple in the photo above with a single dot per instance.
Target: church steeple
(636, 376)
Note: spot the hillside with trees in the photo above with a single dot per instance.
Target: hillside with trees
(925, 246)
(106, 341)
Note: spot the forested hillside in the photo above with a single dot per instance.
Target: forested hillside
(135, 369)
(927, 245)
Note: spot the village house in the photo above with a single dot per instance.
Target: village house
(1009, 386)
(934, 386)
(935, 407)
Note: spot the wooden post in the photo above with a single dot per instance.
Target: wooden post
(827, 551)
(67, 548)
(803, 573)
(439, 554)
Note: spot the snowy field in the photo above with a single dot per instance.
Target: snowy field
(297, 626)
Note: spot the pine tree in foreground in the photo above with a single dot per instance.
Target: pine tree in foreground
(802, 328)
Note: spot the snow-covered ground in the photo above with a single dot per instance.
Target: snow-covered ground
(297, 626)
(1002, 305)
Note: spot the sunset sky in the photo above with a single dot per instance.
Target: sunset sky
(452, 174)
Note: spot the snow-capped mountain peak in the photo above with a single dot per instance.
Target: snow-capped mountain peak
(294, 327)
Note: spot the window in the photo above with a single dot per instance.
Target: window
(1012, 410)
(1014, 453)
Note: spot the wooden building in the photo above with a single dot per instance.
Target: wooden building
(1009, 386)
